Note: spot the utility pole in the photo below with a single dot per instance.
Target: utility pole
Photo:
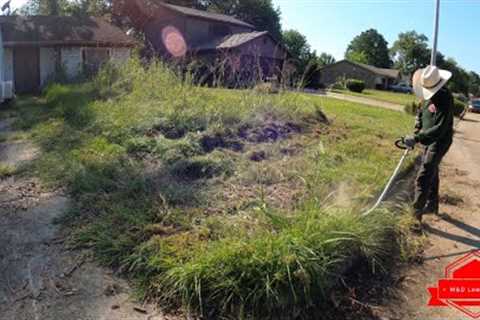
(433, 60)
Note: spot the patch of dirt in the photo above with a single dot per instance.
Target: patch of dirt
(40, 276)
(218, 141)
(258, 156)
(268, 131)
(452, 200)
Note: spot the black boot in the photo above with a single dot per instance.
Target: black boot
(419, 215)
(432, 207)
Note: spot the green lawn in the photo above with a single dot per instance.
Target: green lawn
(393, 97)
(231, 202)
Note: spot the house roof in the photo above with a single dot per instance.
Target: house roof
(61, 30)
(230, 41)
(384, 72)
(389, 73)
(205, 14)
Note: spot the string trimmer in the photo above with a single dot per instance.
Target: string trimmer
(400, 143)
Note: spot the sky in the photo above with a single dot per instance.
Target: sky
(330, 25)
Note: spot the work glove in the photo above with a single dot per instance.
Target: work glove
(409, 141)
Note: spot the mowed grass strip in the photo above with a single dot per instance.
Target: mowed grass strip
(183, 187)
(381, 95)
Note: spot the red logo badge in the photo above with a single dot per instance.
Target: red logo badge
(460, 288)
(432, 108)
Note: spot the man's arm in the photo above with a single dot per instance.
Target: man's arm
(438, 130)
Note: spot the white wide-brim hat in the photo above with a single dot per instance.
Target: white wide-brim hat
(427, 81)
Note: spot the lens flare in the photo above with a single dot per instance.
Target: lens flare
(174, 41)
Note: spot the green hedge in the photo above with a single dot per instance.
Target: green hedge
(355, 85)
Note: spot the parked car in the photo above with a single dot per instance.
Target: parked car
(401, 87)
(474, 106)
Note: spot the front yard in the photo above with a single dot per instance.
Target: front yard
(231, 203)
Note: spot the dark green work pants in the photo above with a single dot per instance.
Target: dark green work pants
(428, 181)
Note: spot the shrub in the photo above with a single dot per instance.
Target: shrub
(458, 107)
(266, 88)
(6, 171)
(337, 86)
(412, 107)
(355, 85)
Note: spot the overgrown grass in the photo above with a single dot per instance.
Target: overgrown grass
(6, 170)
(166, 190)
(381, 95)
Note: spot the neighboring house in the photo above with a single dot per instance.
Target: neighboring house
(179, 32)
(38, 49)
(374, 78)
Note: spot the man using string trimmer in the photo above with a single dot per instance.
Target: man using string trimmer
(434, 130)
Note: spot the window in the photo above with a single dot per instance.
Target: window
(94, 58)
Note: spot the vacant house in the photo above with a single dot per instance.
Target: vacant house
(37, 49)
(375, 78)
(178, 32)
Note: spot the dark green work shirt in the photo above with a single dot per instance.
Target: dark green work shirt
(435, 120)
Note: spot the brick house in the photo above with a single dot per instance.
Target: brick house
(179, 32)
(374, 78)
(37, 48)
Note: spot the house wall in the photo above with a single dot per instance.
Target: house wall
(48, 59)
(263, 47)
(72, 60)
(331, 74)
(196, 31)
(119, 55)
(163, 18)
(8, 64)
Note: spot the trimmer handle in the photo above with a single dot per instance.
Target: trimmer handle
(400, 144)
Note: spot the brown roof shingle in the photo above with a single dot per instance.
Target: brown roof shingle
(389, 73)
(61, 30)
(230, 41)
(205, 14)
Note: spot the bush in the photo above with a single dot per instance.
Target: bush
(412, 107)
(266, 88)
(458, 107)
(355, 85)
(337, 86)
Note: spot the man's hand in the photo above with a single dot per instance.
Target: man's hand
(409, 141)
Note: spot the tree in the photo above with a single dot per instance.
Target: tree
(304, 59)
(474, 84)
(373, 46)
(67, 7)
(325, 59)
(260, 13)
(90, 7)
(460, 81)
(357, 56)
(410, 52)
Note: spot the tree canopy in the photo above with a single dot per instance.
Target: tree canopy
(371, 47)
(325, 59)
(410, 52)
(260, 13)
(67, 7)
